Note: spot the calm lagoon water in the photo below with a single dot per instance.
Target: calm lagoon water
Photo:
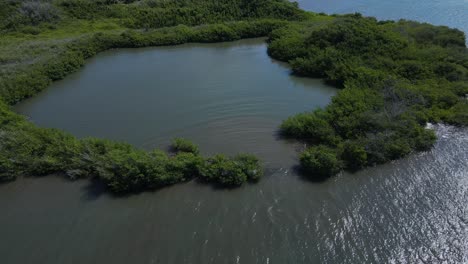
(226, 97)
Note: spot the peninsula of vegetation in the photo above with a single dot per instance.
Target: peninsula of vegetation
(395, 78)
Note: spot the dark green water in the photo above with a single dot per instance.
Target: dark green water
(227, 97)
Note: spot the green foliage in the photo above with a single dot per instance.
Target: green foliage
(215, 33)
(126, 169)
(184, 145)
(28, 150)
(250, 166)
(350, 109)
(450, 71)
(185, 166)
(458, 114)
(36, 12)
(231, 171)
(222, 170)
(286, 43)
(145, 14)
(355, 155)
(22, 14)
(155, 14)
(413, 70)
(320, 162)
(7, 169)
(427, 34)
(309, 126)
(396, 77)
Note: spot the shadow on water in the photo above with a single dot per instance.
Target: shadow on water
(301, 80)
(6, 180)
(307, 177)
(94, 189)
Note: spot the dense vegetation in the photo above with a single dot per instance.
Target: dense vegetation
(29, 150)
(144, 14)
(397, 76)
(43, 41)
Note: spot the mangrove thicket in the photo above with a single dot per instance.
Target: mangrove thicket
(394, 77)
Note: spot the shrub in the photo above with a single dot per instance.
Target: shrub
(458, 114)
(224, 171)
(184, 145)
(312, 126)
(396, 148)
(320, 162)
(38, 11)
(354, 155)
(450, 71)
(215, 33)
(185, 166)
(7, 169)
(250, 166)
(126, 170)
(65, 64)
(56, 152)
(413, 70)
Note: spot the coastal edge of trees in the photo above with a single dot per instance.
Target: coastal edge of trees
(395, 77)
(26, 149)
